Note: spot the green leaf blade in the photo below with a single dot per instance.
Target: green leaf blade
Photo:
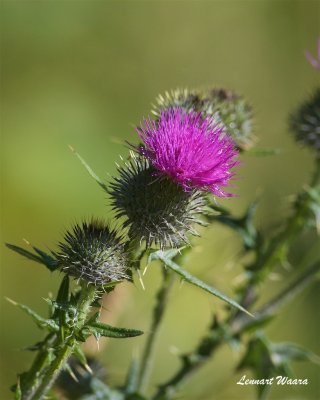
(101, 329)
(24, 253)
(41, 258)
(161, 255)
(89, 169)
(42, 323)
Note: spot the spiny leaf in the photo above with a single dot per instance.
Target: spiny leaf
(47, 260)
(40, 321)
(110, 331)
(243, 225)
(98, 328)
(89, 169)
(165, 258)
(63, 293)
(79, 354)
(291, 351)
(25, 253)
(43, 257)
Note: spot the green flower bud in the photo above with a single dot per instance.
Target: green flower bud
(305, 122)
(93, 253)
(156, 209)
(225, 106)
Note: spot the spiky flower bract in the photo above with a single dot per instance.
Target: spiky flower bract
(191, 149)
(305, 122)
(157, 210)
(226, 106)
(93, 253)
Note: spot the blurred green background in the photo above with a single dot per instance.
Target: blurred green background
(84, 73)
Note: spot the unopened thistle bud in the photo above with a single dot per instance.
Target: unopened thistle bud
(156, 209)
(93, 253)
(305, 122)
(225, 106)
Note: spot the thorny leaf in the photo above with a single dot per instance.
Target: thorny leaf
(90, 170)
(244, 225)
(166, 258)
(42, 323)
(42, 258)
(97, 329)
(100, 329)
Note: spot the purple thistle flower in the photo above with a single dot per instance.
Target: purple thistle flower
(315, 62)
(191, 149)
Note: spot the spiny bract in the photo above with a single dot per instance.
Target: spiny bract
(94, 253)
(305, 122)
(157, 210)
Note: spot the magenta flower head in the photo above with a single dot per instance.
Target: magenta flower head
(314, 61)
(191, 149)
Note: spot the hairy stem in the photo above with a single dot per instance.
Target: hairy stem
(42, 360)
(45, 369)
(158, 312)
(54, 369)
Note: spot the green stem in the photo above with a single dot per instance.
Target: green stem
(32, 378)
(158, 312)
(53, 371)
(241, 323)
(45, 371)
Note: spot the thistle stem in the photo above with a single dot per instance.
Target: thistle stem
(42, 360)
(158, 313)
(43, 373)
(53, 371)
(241, 323)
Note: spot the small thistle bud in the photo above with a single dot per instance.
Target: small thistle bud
(157, 209)
(225, 106)
(305, 122)
(94, 253)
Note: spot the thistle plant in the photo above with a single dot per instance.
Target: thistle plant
(173, 181)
